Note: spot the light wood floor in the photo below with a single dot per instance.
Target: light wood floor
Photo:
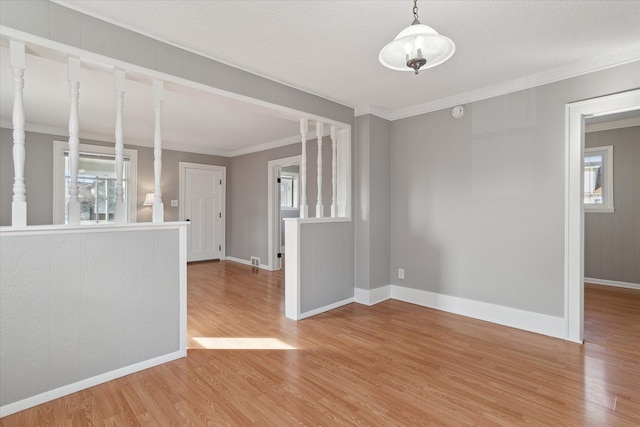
(393, 364)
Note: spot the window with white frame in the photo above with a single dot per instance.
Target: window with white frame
(598, 179)
(289, 190)
(96, 183)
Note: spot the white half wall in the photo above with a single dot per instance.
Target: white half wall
(319, 267)
(84, 305)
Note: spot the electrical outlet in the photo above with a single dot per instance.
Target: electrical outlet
(174, 203)
(401, 273)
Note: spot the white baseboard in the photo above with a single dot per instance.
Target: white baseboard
(47, 396)
(247, 262)
(615, 283)
(526, 320)
(325, 308)
(372, 296)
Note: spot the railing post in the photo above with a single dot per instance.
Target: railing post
(19, 203)
(158, 206)
(120, 213)
(334, 173)
(319, 134)
(74, 140)
(304, 208)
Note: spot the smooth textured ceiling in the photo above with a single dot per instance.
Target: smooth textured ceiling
(330, 48)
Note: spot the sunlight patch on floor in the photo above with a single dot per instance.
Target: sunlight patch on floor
(212, 343)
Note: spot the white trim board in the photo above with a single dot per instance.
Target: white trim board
(21, 405)
(324, 309)
(616, 283)
(246, 262)
(372, 296)
(520, 319)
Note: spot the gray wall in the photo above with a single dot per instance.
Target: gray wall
(39, 173)
(477, 204)
(372, 195)
(612, 240)
(83, 303)
(247, 198)
(326, 264)
(63, 25)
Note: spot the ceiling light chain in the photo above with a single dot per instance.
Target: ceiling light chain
(416, 47)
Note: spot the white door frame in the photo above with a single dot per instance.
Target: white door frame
(273, 216)
(575, 114)
(183, 166)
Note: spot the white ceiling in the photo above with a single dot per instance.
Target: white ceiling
(330, 48)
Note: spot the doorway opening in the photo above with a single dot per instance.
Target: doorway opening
(611, 255)
(575, 116)
(284, 202)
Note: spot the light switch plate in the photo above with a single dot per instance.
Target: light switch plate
(174, 203)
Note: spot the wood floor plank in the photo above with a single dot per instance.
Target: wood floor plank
(392, 364)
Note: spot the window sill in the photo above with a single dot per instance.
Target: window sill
(598, 210)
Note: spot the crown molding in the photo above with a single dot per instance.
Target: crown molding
(63, 133)
(263, 147)
(504, 88)
(613, 124)
(383, 113)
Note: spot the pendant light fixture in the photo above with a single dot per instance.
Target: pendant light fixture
(417, 47)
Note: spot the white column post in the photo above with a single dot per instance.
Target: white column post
(158, 206)
(74, 139)
(319, 134)
(334, 173)
(121, 213)
(19, 203)
(304, 208)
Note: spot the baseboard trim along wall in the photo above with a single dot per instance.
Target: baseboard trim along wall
(526, 320)
(372, 296)
(615, 283)
(246, 262)
(325, 308)
(39, 399)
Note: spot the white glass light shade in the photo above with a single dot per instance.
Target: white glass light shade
(148, 200)
(416, 41)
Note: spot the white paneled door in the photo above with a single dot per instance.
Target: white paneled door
(204, 208)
